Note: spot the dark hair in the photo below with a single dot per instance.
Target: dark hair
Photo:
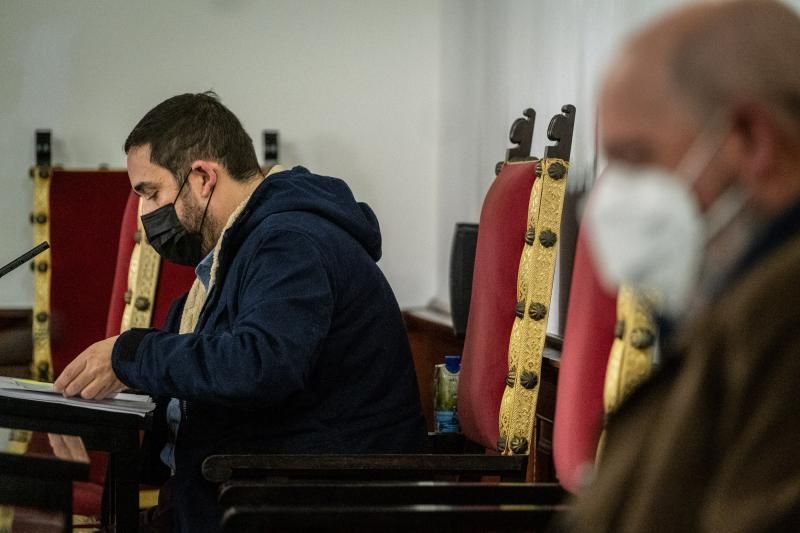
(195, 126)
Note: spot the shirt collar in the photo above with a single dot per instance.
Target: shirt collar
(203, 269)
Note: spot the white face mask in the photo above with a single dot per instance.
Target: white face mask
(646, 228)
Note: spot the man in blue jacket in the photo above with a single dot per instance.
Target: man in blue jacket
(290, 341)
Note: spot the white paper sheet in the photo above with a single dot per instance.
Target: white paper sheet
(137, 404)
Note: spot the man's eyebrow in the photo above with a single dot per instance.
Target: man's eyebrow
(142, 186)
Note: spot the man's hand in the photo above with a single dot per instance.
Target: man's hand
(90, 375)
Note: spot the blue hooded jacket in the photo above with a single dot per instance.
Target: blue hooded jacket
(300, 347)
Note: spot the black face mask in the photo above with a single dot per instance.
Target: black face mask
(170, 238)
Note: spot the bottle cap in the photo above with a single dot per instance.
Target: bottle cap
(452, 363)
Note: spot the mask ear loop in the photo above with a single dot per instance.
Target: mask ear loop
(724, 210)
(697, 159)
(205, 211)
(700, 154)
(202, 220)
(180, 189)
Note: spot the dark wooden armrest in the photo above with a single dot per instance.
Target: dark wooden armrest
(390, 518)
(219, 468)
(40, 482)
(451, 443)
(43, 467)
(260, 492)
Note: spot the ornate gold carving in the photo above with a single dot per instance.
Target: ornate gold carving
(519, 445)
(557, 171)
(502, 440)
(537, 311)
(529, 379)
(142, 280)
(511, 378)
(534, 284)
(631, 359)
(141, 303)
(530, 236)
(42, 364)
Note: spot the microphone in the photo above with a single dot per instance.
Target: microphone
(24, 258)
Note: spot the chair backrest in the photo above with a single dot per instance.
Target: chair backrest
(79, 213)
(588, 336)
(484, 364)
(608, 351)
(512, 284)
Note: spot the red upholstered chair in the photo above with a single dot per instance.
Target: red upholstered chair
(79, 213)
(587, 342)
(497, 371)
(492, 306)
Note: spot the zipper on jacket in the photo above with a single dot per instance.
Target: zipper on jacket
(184, 415)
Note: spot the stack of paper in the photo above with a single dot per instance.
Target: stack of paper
(136, 404)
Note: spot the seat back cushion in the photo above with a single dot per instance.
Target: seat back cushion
(589, 333)
(501, 237)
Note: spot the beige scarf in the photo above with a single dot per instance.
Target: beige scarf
(197, 294)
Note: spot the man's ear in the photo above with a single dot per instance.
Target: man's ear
(209, 172)
(759, 137)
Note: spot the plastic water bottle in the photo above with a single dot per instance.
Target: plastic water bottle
(445, 395)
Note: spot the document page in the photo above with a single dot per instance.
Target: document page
(25, 389)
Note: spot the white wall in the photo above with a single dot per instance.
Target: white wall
(410, 100)
(500, 57)
(353, 87)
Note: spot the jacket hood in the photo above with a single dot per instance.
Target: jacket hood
(329, 198)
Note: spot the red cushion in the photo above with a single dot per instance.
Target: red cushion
(501, 236)
(85, 213)
(87, 498)
(587, 343)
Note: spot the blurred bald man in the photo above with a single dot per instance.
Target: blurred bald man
(700, 121)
